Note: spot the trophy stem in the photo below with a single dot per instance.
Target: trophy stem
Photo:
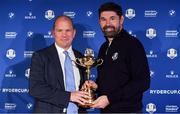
(88, 73)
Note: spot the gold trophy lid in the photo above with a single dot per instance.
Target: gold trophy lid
(89, 52)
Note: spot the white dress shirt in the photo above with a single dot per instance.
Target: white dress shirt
(75, 69)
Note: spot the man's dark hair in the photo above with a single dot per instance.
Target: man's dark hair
(110, 6)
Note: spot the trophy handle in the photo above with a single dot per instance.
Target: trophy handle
(78, 62)
(99, 62)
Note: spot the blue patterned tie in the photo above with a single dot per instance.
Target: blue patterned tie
(70, 82)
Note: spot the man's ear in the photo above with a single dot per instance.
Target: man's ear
(121, 20)
(74, 33)
(52, 32)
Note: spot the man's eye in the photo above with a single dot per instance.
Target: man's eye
(102, 19)
(68, 30)
(113, 18)
(58, 30)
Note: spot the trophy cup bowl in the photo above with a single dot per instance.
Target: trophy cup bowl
(88, 61)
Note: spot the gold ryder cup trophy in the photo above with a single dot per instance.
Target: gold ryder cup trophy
(88, 61)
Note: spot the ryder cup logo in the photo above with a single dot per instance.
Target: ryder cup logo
(151, 33)
(130, 13)
(10, 54)
(27, 72)
(49, 14)
(172, 53)
(115, 56)
(151, 108)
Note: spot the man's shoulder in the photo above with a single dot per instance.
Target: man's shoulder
(45, 50)
(130, 40)
(104, 45)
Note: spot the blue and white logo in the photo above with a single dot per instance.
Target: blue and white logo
(172, 74)
(89, 34)
(131, 33)
(172, 53)
(27, 72)
(152, 73)
(151, 33)
(48, 35)
(115, 56)
(130, 13)
(30, 16)
(49, 14)
(151, 108)
(150, 13)
(30, 34)
(89, 13)
(10, 74)
(11, 15)
(10, 54)
(171, 33)
(70, 14)
(151, 54)
(29, 106)
(172, 13)
(10, 35)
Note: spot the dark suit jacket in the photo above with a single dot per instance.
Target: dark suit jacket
(47, 83)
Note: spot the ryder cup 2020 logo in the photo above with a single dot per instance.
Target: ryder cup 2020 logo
(130, 13)
(151, 108)
(49, 14)
(10, 54)
(151, 33)
(172, 53)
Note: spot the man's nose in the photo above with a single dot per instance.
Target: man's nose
(108, 22)
(64, 33)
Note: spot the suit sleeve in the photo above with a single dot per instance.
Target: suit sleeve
(40, 89)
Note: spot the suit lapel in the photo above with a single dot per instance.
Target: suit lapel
(56, 61)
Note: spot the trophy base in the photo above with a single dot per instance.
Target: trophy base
(87, 105)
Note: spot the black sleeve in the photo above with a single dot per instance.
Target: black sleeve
(139, 70)
(40, 89)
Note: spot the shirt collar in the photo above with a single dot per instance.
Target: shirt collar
(61, 50)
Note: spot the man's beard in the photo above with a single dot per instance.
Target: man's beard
(110, 34)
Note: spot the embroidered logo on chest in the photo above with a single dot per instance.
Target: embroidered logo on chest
(115, 56)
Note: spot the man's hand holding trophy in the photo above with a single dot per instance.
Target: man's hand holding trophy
(88, 61)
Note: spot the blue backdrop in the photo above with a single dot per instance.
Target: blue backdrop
(25, 27)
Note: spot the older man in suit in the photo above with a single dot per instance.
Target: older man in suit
(54, 78)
